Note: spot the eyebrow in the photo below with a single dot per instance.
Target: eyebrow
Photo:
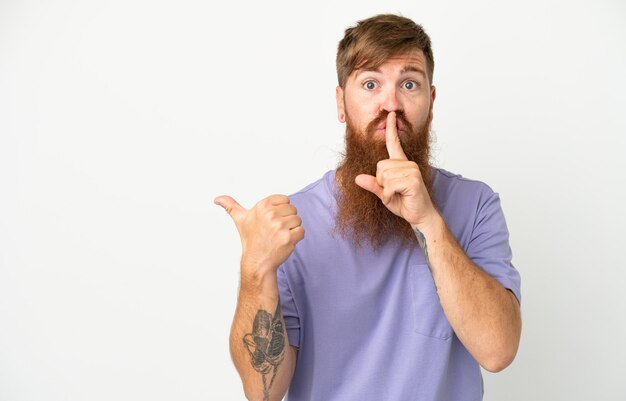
(405, 69)
(410, 68)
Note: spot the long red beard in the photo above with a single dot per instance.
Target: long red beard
(361, 215)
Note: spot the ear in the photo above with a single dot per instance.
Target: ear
(433, 95)
(341, 106)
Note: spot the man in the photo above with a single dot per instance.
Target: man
(403, 285)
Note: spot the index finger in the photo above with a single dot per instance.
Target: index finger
(394, 148)
(277, 199)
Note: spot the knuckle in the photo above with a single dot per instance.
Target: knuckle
(283, 237)
(387, 174)
(278, 224)
(271, 215)
(262, 204)
(279, 198)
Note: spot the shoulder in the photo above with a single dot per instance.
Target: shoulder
(467, 204)
(450, 186)
(318, 193)
(446, 179)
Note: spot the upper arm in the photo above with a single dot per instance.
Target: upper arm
(489, 246)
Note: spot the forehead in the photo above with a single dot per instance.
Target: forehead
(415, 57)
(411, 61)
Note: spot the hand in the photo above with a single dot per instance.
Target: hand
(269, 231)
(398, 182)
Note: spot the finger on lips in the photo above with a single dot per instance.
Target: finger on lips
(394, 148)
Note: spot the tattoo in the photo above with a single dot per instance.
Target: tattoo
(422, 241)
(266, 346)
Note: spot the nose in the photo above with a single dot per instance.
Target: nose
(390, 101)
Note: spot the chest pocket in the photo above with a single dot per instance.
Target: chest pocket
(428, 317)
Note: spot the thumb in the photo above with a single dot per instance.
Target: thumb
(234, 209)
(369, 183)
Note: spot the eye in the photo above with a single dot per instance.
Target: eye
(369, 85)
(410, 85)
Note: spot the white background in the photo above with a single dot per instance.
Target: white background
(121, 120)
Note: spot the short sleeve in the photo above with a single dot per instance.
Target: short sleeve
(288, 306)
(489, 244)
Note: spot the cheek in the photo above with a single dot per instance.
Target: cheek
(360, 117)
(420, 114)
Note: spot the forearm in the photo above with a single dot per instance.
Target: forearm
(269, 233)
(258, 340)
(484, 315)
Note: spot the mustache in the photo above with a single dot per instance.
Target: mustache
(382, 116)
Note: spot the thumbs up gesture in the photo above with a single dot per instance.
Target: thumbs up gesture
(269, 231)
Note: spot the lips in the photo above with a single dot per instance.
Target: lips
(383, 129)
(399, 126)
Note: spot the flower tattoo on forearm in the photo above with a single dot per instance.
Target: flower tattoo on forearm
(266, 346)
